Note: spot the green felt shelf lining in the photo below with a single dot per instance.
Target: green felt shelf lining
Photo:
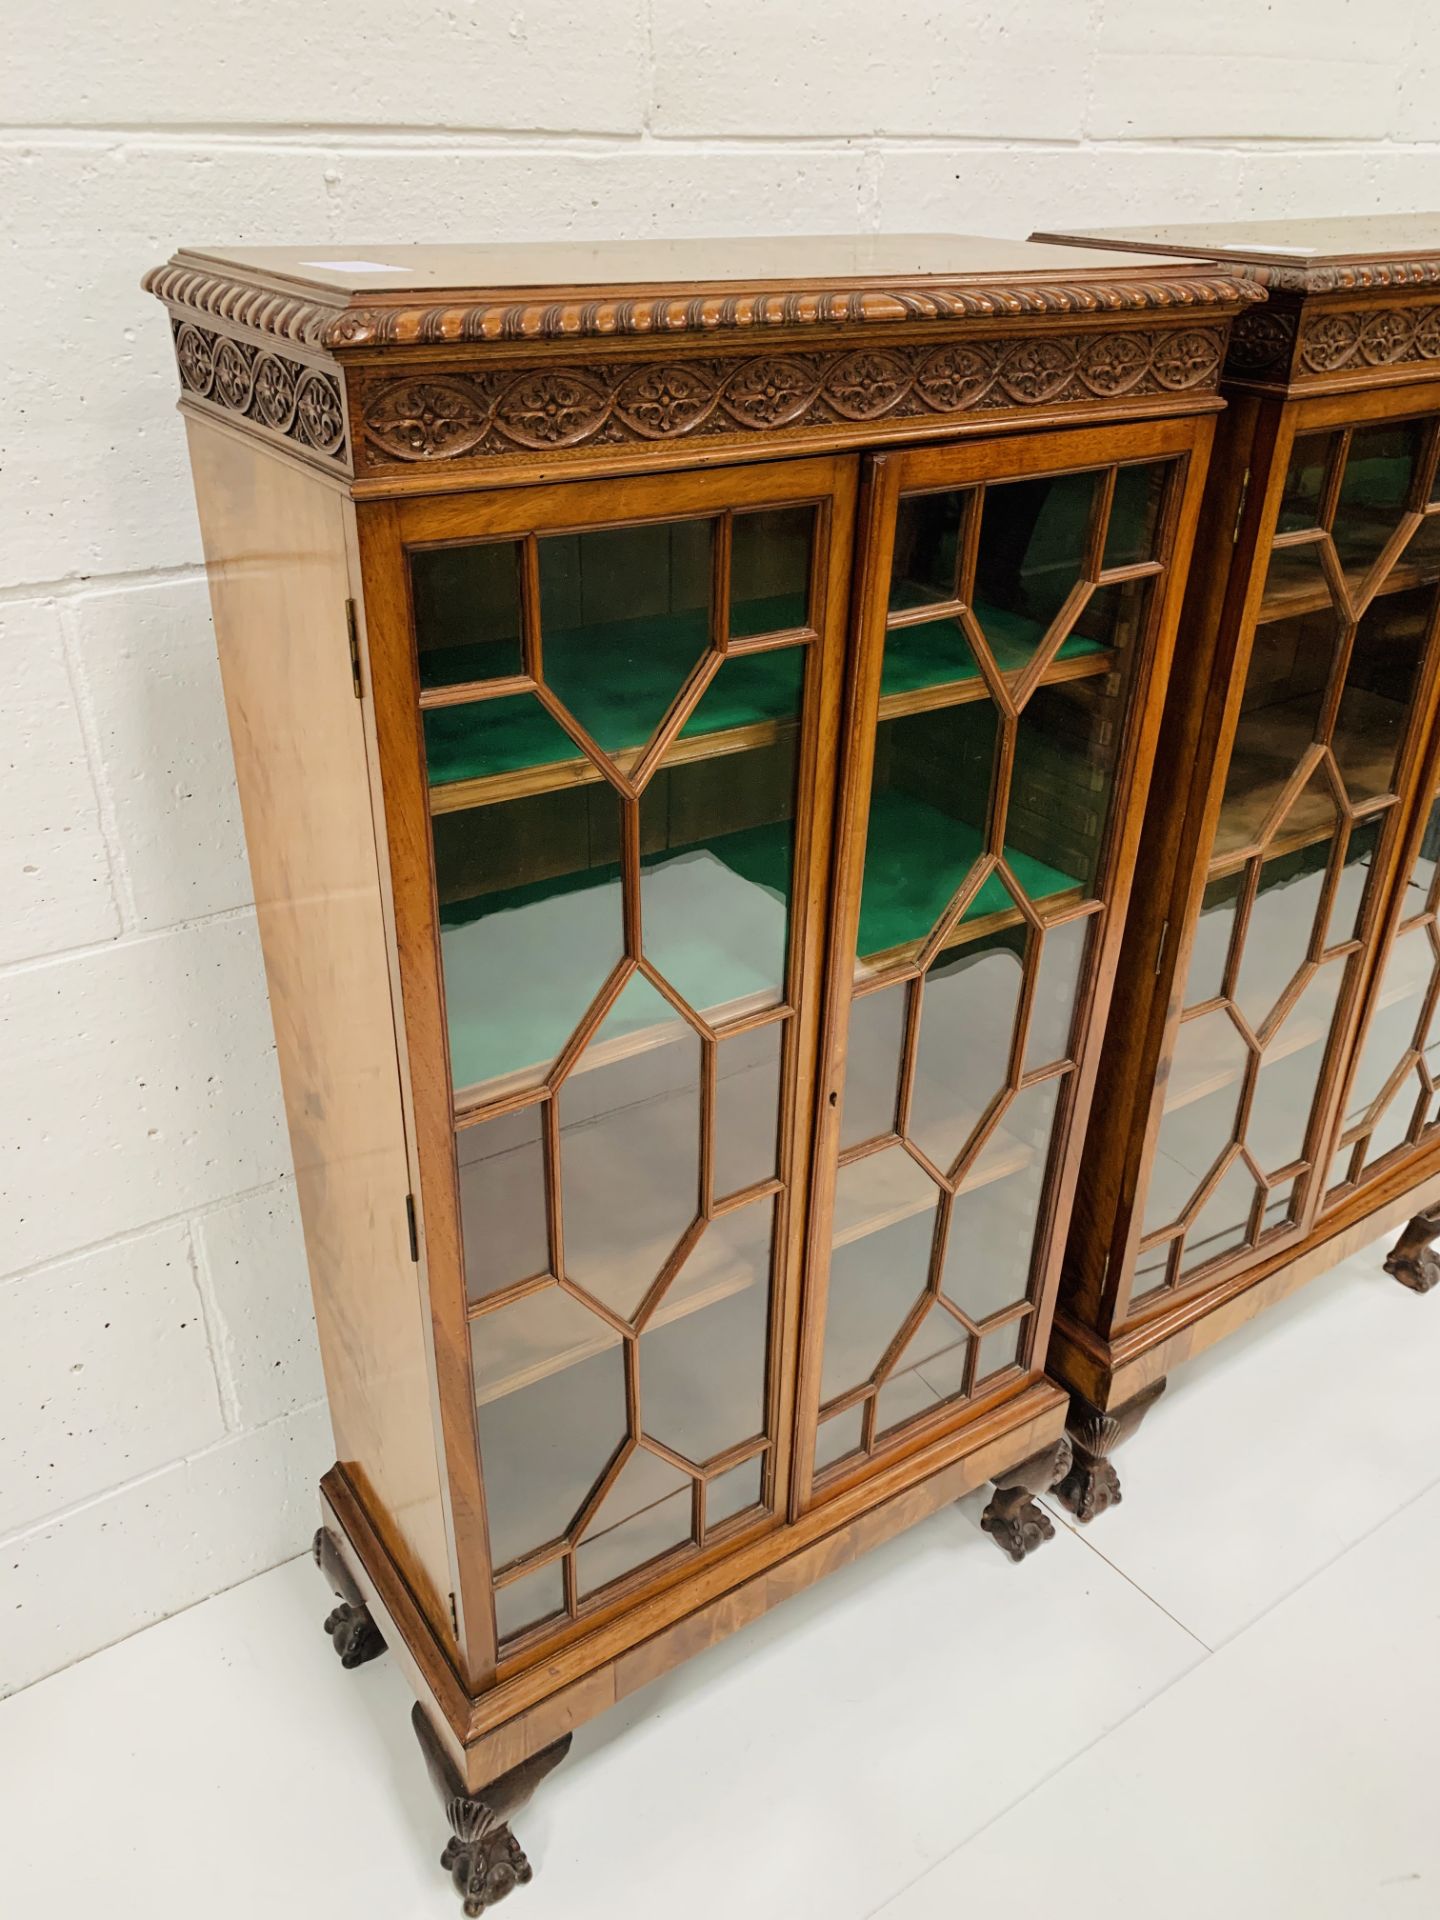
(647, 662)
(916, 858)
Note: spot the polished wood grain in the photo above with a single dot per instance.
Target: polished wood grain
(472, 397)
(275, 549)
(1103, 1348)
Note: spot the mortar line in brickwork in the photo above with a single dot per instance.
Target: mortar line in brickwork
(182, 1217)
(177, 1465)
(131, 937)
(73, 586)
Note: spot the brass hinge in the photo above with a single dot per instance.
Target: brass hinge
(353, 630)
(410, 1222)
(454, 1618)
(1240, 505)
(1160, 950)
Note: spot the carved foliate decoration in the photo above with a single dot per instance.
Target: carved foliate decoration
(1261, 342)
(1369, 337)
(303, 404)
(424, 418)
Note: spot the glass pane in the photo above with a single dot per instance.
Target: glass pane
(1052, 1012)
(1223, 1223)
(967, 1024)
(995, 1215)
(1033, 535)
(747, 1108)
(1374, 490)
(1135, 514)
(1206, 978)
(837, 1436)
(467, 612)
(872, 1065)
(646, 1512)
(702, 1357)
(732, 1492)
(625, 619)
(1282, 921)
(630, 1149)
(1202, 1099)
(999, 1350)
(927, 527)
(717, 852)
(550, 1406)
(502, 1201)
(512, 735)
(1421, 558)
(1396, 1122)
(524, 1603)
(1340, 1167)
(1277, 1207)
(902, 1398)
(1304, 482)
(1379, 682)
(1149, 1276)
(884, 1230)
(1391, 1032)
(1060, 791)
(928, 808)
(1290, 1073)
(530, 925)
(1354, 875)
(1295, 582)
(1421, 883)
(1279, 718)
(770, 570)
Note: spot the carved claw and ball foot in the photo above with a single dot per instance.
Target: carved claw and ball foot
(1092, 1486)
(483, 1857)
(1013, 1520)
(1412, 1260)
(353, 1634)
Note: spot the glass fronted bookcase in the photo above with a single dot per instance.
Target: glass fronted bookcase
(1273, 1100)
(738, 758)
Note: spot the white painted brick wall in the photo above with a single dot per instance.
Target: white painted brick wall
(161, 1418)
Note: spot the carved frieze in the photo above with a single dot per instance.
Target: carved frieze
(1359, 337)
(421, 417)
(302, 403)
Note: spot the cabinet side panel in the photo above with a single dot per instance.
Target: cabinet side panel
(275, 549)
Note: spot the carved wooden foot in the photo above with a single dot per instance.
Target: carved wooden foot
(1411, 1260)
(355, 1636)
(1092, 1484)
(484, 1858)
(1012, 1519)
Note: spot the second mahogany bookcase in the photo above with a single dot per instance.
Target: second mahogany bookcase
(1267, 1101)
(693, 708)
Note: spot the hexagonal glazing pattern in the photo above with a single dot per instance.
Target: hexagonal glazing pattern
(1347, 615)
(1393, 1099)
(1015, 611)
(615, 934)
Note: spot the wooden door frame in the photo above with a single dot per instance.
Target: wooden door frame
(1186, 440)
(386, 531)
(1179, 843)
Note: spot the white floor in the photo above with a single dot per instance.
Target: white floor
(1221, 1699)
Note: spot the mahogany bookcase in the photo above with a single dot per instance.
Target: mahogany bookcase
(1266, 1102)
(693, 706)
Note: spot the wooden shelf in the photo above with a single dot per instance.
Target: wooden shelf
(1270, 742)
(1295, 1036)
(486, 752)
(1293, 598)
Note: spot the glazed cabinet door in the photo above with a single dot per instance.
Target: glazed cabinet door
(1328, 709)
(1015, 604)
(1391, 1106)
(614, 741)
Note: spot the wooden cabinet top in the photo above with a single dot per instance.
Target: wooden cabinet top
(350, 298)
(406, 368)
(1306, 256)
(1352, 302)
